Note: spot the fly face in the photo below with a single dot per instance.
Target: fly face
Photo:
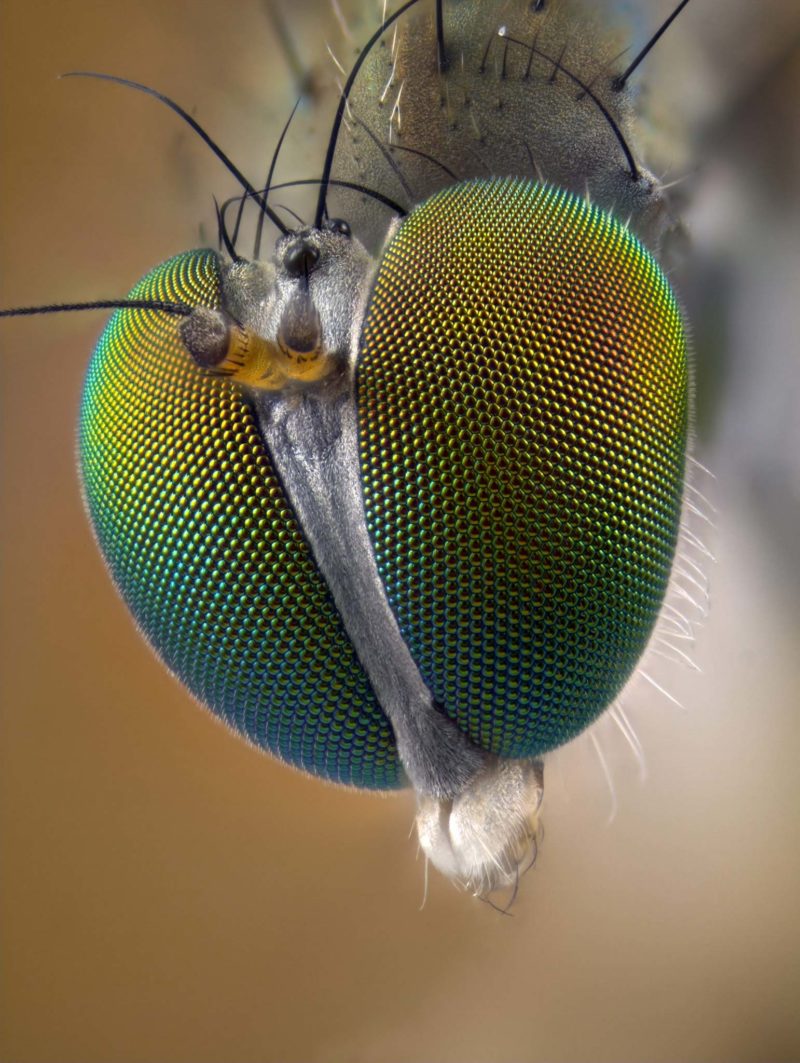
(402, 505)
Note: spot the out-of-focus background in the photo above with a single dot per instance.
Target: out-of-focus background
(169, 894)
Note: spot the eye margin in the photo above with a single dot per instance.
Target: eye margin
(150, 420)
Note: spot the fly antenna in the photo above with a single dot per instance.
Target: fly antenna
(441, 52)
(270, 175)
(619, 82)
(234, 236)
(325, 180)
(229, 165)
(379, 197)
(222, 231)
(294, 214)
(178, 309)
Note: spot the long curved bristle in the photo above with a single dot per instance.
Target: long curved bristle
(193, 124)
(325, 180)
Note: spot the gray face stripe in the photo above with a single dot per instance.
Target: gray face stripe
(311, 434)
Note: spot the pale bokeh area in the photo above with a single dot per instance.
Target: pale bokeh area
(169, 895)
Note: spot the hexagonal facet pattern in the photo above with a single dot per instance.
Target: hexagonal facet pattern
(205, 550)
(523, 395)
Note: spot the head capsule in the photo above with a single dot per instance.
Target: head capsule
(510, 383)
(288, 324)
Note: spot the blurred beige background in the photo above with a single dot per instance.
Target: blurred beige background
(168, 894)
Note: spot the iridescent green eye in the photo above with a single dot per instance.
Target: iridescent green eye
(204, 548)
(522, 395)
(521, 402)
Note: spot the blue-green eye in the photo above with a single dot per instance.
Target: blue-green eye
(522, 398)
(205, 549)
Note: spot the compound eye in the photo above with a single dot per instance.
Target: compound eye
(523, 409)
(340, 226)
(193, 522)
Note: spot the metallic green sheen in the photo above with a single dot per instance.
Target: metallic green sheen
(523, 407)
(205, 549)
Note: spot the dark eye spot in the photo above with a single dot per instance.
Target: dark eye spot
(339, 225)
(300, 259)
